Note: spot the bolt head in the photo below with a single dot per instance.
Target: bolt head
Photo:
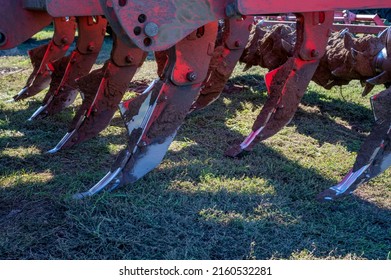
(314, 53)
(191, 76)
(129, 59)
(151, 29)
(64, 40)
(91, 48)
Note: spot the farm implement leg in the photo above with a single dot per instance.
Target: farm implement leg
(103, 90)
(234, 36)
(153, 118)
(44, 56)
(63, 87)
(225, 57)
(286, 85)
(374, 156)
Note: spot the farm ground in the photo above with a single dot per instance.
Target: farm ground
(197, 204)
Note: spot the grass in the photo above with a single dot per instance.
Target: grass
(197, 204)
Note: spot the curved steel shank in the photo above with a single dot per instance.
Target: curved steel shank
(45, 56)
(103, 89)
(286, 85)
(374, 156)
(63, 87)
(153, 118)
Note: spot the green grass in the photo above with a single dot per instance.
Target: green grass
(197, 204)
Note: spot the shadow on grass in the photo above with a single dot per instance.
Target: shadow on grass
(178, 212)
(315, 125)
(196, 205)
(358, 116)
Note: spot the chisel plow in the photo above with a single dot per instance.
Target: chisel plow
(197, 45)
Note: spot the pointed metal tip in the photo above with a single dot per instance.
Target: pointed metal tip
(20, 93)
(108, 182)
(62, 142)
(53, 151)
(10, 101)
(79, 196)
(37, 112)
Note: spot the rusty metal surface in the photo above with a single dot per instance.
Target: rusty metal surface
(103, 89)
(225, 57)
(61, 8)
(18, 24)
(171, 19)
(286, 85)
(63, 87)
(246, 7)
(64, 33)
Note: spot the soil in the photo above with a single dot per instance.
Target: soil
(220, 69)
(139, 86)
(340, 64)
(171, 111)
(161, 60)
(286, 90)
(269, 47)
(58, 73)
(36, 56)
(35, 85)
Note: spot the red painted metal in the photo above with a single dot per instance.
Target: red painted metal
(64, 33)
(103, 90)
(18, 24)
(57, 8)
(63, 88)
(247, 7)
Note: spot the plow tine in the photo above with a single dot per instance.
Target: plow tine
(44, 56)
(66, 138)
(103, 183)
(153, 118)
(103, 90)
(286, 85)
(374, 156)
(63, 87)
(224, 60)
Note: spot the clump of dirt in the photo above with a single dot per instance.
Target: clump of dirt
(37, 54)
(58, 72)
(161, 60)
(171, 111)
(36, 57)
(139, 86)
(103, 90)
(346, 58)
(269, 47)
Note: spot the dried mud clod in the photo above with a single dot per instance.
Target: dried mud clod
(346, 58)
(269, 48)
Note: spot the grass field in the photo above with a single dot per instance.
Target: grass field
(197, 204)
